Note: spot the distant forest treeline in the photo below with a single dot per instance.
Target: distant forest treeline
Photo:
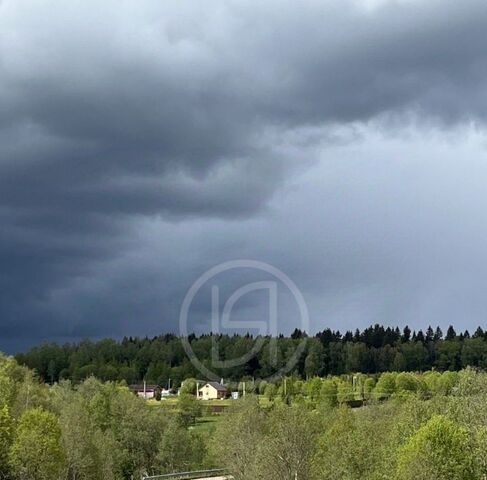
(373, 350)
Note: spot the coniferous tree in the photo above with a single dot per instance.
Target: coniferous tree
(406, 334)
(438, 334)
(450, 333)
(479, 333)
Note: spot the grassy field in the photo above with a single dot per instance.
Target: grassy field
(173, 402)
(206, 425)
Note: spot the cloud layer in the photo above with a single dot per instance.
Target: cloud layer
(142, 142)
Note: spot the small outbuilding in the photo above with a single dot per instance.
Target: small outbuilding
(166, 392)
(145, 391)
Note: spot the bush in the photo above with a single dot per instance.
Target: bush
(439, 450)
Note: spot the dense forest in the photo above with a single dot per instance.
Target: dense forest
(373, 350)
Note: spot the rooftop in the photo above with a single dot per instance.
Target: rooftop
(217, 386)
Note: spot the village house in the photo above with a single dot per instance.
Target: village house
(145, 391)
(212, 391)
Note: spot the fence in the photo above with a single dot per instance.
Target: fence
(188, 475)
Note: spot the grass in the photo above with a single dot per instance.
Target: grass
(206, 425)
(173, 401)
(264, 401)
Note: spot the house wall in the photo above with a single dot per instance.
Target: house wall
(148, 394)
(210, 393)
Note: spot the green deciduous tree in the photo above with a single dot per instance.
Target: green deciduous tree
(36, 452)
(6, 435)
(189, 387)
(344, 391)
(190, 408)
(406, 382)
(440, 449)
(238, 438)
(179, 449)
(90, 454)
(270, 391)
(286, 452)
(328, 393)
(356, 444)
(313, 364)
(386, 385)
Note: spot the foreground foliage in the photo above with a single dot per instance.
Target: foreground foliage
(415, 434)
(419, 426)
(94, 431)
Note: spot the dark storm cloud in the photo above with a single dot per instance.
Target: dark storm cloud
(134, 118)
(114, 112)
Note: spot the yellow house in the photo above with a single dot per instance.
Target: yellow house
(212, 391)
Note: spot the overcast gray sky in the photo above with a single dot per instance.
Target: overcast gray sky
(143, 142)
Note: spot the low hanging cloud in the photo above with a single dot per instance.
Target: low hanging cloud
(117, 115)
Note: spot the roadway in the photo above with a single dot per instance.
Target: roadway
(214, 478)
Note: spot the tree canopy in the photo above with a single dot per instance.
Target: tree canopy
(162, 360)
